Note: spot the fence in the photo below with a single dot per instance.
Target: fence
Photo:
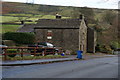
(25, 50)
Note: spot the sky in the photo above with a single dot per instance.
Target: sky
(105, 4)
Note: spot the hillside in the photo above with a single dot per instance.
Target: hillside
(104, 21)
(15, 7)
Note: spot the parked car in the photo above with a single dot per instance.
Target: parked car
(41, 47)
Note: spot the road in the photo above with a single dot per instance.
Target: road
(92, 68)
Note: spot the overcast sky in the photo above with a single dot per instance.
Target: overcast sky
(107, 4)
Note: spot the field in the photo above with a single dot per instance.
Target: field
(15, 18)
(9, 28)
(18, 17)
(8, 19)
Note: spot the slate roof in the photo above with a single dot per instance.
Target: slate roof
(51, 23)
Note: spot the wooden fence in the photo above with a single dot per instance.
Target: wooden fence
(21, 51)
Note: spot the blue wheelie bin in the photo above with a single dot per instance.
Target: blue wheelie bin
(62, 54)
(79, 54)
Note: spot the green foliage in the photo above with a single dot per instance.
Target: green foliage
(8, 19)
(108, 16)
(20, 38)
(9, 28)
(115, 45)
(88, 13)
(18, 15)
(35, 57)
(12, 51)
(96, 27)
(48, 8)
(17, 19)
(75, 13)
(66, 12)
(103, 48)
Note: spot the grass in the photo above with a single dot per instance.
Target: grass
(9, 28)
(34, 57)
(17, 15)
(8, 19)
(12, 18)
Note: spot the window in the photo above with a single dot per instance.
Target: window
(49, 34)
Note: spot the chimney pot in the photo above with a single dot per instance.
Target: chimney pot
(58, 16)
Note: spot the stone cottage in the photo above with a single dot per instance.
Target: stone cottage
(70, 34)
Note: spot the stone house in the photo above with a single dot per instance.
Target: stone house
(70, 34)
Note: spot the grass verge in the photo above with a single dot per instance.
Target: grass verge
(34, 57)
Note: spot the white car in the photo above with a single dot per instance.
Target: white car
(50, 47)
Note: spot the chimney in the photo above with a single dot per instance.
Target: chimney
(81, 17)
(58, 16)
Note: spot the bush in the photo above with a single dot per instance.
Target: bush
(19, 37)
(103, 48)
(115, 45)
(106, 49)
(12, 51)
(97, 48)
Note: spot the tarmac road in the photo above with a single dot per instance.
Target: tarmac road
(106, 67)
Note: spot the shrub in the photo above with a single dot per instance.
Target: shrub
(115, 45)
(106, 49)
(103, 48)
(12, 51)
(97, 48)
(19, 37)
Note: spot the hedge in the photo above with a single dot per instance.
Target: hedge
(20, 37)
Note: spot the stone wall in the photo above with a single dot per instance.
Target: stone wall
(66, 38)
(68, 34)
